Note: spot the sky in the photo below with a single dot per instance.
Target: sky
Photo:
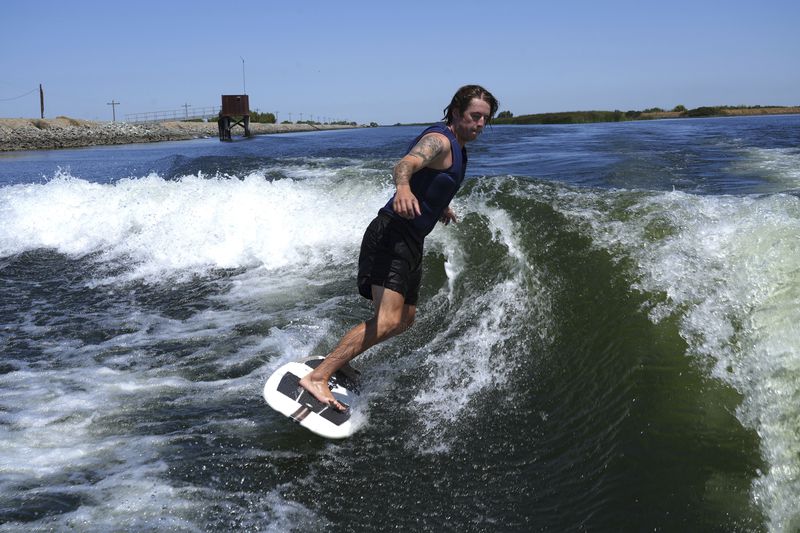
(392, 61)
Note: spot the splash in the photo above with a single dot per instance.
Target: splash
(473, 352)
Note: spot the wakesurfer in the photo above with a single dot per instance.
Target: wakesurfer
(390, 261)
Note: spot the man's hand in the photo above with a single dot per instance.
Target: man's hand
(448, 216)
(405, 203)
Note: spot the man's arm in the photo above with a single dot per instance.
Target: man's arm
(429, 151)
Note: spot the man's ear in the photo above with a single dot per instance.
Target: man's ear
(453, 115)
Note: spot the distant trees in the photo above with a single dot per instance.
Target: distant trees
(505, 114)
(263, 118)
(570, 117)
(705, 111)
(679, 109)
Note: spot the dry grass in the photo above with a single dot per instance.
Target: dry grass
(43, 124)
(732, 112)
(762, 111)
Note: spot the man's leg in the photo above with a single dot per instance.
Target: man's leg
(392, 316)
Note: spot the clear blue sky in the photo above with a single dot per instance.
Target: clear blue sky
(395, 61)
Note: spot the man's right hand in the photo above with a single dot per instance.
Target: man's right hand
(405, 203)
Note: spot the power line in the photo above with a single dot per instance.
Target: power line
(18, 97)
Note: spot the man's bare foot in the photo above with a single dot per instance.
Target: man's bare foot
(319, 390)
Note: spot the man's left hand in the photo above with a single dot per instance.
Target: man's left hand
(448, 216)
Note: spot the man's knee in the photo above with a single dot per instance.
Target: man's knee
(391, 326)
(394, 324)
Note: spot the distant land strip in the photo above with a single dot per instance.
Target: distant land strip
(585, 117)
(65, 132)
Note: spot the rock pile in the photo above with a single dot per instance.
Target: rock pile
(64, 132)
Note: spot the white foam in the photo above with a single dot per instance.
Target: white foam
(158, 227)
(49, 415)
(777, 165)
(141, 500)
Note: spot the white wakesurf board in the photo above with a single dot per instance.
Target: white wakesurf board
(284, 394)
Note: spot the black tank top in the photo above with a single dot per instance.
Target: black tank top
(434, 189)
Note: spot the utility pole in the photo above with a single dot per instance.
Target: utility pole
(244, 85)
(186, 109)
(41, 99)
(113, 105)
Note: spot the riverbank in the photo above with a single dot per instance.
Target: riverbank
(585, 117)
(65, 132)
(702, 112)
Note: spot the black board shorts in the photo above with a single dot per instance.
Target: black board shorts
(391, 256)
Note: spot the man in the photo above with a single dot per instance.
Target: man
(390, 263)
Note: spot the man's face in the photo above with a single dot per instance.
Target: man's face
(470, 124)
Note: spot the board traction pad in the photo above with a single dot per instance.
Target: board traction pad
(289, 386)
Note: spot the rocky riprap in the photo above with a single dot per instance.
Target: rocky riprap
(64, 132)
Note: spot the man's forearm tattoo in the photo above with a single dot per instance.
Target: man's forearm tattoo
(402, 173)
(427, 149)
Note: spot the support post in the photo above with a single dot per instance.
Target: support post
(113, 105)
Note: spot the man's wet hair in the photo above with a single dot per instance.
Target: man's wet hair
(464, 96)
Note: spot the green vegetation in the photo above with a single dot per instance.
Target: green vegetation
(569, 117)
(703, 112)
(679, 111)
(263, 118)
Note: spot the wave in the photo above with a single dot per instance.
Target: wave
(545, 300)
(721, 270)
(724, 267)
(154, 226)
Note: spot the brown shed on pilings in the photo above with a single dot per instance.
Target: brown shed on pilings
(235, 105)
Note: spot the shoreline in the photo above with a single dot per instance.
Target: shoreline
(588, 117)
(722, 112)
(17, 134)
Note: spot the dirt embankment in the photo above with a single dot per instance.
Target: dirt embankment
(65, 132)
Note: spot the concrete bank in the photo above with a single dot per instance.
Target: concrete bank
(64, 132)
